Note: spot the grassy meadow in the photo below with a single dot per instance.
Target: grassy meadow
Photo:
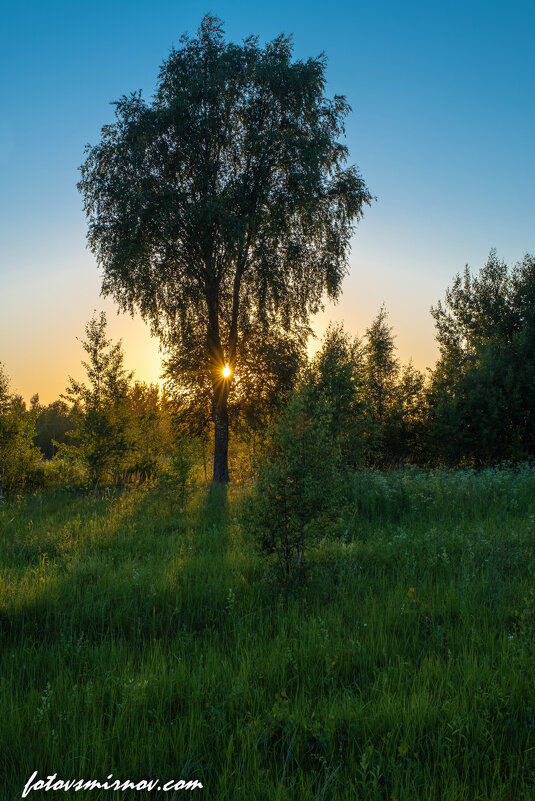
(146, 642)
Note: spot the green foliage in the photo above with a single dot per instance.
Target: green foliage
(135, 637)
(270, 361)
(483, 390)
(5, 396)
(52, 425)
(379, 410)
(100, 408)
(18, 456)
(382, 365)
(299, 484)
(223, 210)
(476, 311)
(381, 371)
(337, 379)
(405, 439)
(148, 431)
(182, 466)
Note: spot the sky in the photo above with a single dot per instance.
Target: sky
(442, 130)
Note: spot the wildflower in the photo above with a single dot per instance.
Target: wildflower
(412, 593)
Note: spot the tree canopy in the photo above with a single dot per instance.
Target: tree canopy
(483, 391)
(225, 205)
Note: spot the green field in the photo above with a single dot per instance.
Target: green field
(150, 643)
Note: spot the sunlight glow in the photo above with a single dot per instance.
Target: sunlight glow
(226, 371)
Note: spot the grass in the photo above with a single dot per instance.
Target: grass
(145, 642)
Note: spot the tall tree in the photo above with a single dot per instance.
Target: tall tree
(225, 204)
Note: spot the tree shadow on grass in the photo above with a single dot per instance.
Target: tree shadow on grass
(211, 519)
(129, 569)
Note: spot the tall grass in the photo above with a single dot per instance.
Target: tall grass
(143, 641)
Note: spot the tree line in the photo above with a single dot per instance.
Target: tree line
(475, 408)
(222, 212)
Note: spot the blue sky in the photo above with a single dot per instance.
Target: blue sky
(442, 130)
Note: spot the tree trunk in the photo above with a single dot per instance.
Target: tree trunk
(220, 418)
(220, 387)
(221, 441)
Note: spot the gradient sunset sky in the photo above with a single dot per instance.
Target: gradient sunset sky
(442, 130)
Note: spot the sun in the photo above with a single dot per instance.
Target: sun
(226, 371)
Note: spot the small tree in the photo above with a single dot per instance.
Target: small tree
(100, 409)
(300, 481)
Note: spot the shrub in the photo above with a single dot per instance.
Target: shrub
(300, 483)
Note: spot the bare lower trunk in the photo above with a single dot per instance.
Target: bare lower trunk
(221, 448)
(220, 385)
(221, 439)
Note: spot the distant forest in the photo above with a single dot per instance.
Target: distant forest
(475, 408)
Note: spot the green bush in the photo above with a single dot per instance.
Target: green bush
(300, 484)
(18, 456)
